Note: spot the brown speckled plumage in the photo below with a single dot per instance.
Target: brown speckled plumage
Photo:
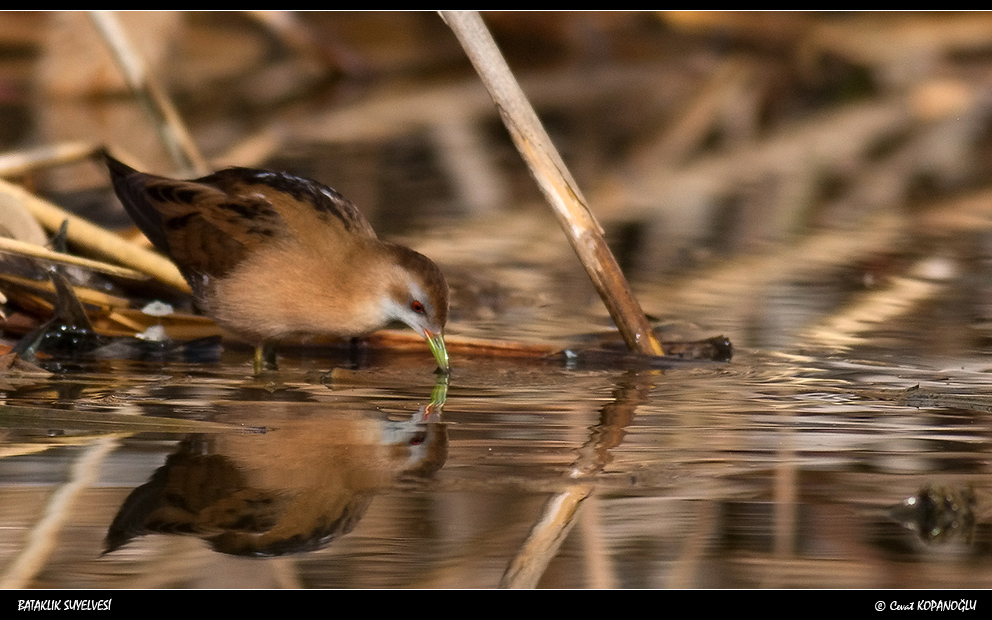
(270, 255)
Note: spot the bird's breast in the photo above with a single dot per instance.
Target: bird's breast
(285, 291)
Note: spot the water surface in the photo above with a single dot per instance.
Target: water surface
(772, 470)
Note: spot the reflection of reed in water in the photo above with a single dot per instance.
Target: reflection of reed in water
(527, 567)
(304, 483)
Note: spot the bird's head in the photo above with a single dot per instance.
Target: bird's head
(417, 295)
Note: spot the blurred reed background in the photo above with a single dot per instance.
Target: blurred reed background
(803, 183)
(725, 153)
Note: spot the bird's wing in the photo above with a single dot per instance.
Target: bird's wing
(305, 206)
(205, 230)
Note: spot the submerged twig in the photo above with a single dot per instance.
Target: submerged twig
(554, 180)
(146, 88)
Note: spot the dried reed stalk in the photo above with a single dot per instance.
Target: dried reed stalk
(97, 240)
(22, 248)
(146, 88)
(554, 180)
(20, 162)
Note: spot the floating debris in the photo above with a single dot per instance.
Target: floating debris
(938, 514)
(158, 308)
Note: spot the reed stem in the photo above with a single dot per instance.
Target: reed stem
(554, 180)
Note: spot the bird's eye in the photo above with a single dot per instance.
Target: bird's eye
(417, 307)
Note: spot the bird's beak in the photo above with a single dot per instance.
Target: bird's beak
(436, 343)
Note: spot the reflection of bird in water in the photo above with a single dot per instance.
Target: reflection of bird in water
(293, 489)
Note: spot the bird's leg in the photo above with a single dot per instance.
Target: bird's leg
(265, 357)
(259, 359)
(356, 351)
